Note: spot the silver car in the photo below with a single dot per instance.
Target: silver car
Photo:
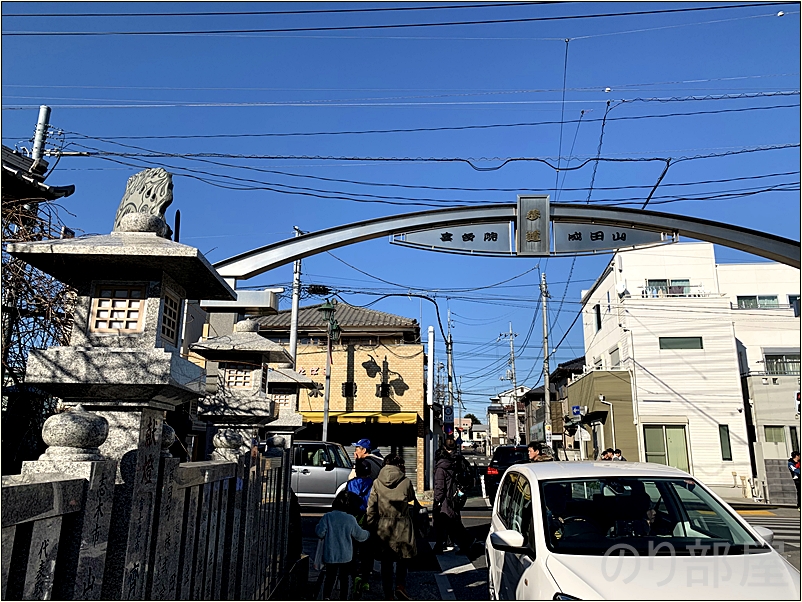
(320, 471)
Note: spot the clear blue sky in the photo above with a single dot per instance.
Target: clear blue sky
(104, 88)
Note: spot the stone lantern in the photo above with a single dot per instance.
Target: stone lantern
(123, 361)
(240, 403)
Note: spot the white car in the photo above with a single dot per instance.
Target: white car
(625, 530)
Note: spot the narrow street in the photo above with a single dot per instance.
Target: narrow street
(451, 576)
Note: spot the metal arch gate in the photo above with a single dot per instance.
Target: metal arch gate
(255, 262)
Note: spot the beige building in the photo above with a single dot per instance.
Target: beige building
(669, 338)
(377, 380)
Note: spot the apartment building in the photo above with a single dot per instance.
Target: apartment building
(670, 341)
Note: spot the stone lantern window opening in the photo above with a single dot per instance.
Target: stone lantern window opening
(238, 376)
(118, 308)
(171, 313)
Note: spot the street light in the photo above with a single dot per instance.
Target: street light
(332, 335)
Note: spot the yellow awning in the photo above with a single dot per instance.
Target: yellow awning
(318, 416)
(363, 417)
(358, 417)
(399, 418)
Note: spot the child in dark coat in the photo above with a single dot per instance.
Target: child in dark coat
(360, 486)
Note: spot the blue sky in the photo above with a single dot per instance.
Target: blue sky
(107, 91)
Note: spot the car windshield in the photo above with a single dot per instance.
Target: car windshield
(510, 455)
(639, 515)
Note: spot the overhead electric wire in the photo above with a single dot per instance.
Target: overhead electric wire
(389, 26)
(280, 12)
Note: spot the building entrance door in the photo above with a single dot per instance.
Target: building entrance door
(667, 445)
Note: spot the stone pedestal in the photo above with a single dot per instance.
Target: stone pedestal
(74, 438)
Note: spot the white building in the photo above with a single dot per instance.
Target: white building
(501, 417)
(668, 335)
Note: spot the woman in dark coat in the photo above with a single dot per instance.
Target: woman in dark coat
(447, 519)
(389, 516)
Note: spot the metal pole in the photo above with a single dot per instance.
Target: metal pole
(450, 366)
(327, 387)
(41, 133)
(544, 292)
(430, 399)
(517, 438)
(296, 297)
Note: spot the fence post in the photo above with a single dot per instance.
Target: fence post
(73, 438)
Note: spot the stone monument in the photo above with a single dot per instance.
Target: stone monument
(123, 361)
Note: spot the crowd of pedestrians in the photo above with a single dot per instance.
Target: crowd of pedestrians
(377, 516)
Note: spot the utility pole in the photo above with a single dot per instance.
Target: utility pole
(450, 367)
(296, 298)
(544, 293)
(430, 399)
(459, 402)
(512, 335)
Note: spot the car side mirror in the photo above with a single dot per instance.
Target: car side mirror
(328, 465)
(510, 541)
(766, 534)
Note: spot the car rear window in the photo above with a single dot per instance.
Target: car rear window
(510, 455)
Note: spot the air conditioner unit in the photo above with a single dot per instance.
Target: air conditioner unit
(621, 288)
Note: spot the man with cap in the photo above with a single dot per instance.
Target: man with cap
(372, 459)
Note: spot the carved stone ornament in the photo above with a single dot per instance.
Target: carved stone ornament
(147, 196)
(75, 435)
(168, 438)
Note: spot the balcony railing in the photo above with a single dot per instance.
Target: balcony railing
(661, 292)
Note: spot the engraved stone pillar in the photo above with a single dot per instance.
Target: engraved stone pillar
(74, 438)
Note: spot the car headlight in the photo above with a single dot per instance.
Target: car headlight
(562, 596)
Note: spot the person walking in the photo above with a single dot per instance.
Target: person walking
(793, 466)
(338, 530)
(536, 454)
(389, 505)
(361, 486)
(362, 451)
(447, 505)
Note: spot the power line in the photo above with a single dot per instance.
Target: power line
(388, 26)
(278, 12)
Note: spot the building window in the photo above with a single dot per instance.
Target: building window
(785, 363)
(681, 343)
(615, 358)
(793, 301)
(757, 301)
(794, 438)
(597, 313)
(678, 287)
(666, 445)
(238, 376)
(598, 364)
(724, 438)
(608, 302)
(118, 309)
(170, 314)
(349, 389)
(774, 434)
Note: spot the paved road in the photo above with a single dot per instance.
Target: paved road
(451, 576)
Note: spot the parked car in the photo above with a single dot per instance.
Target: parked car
(320, 471)
(504, 456)
(609, 530)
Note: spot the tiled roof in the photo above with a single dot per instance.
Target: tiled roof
(347, 316)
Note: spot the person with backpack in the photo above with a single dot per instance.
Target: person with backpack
(390, 506)
(338, 529)
(449, 498)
